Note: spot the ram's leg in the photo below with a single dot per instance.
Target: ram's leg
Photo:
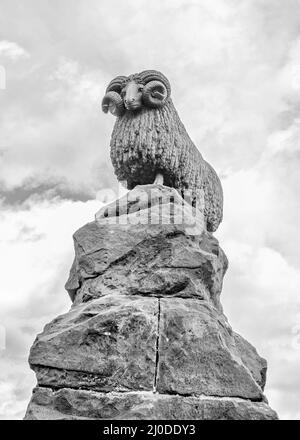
(159, 179)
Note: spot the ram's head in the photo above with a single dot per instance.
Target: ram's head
(146, 89)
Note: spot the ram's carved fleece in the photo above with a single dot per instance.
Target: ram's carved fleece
(150, 143)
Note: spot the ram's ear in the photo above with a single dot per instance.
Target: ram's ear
(155, 94)
(113, 102)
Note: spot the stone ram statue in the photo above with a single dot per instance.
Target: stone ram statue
(149, 143)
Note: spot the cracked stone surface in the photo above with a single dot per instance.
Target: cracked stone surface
(106, 344)
(146, 337)
(70, 404)
(198, 354)
(147, 259)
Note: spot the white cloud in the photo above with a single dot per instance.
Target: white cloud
(36, 253)
(12, 50)
(261, 289)
(36, 244)
(10, 407)
(226, 72)
(63, 142)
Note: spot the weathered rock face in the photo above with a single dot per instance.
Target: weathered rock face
(146, 337)
(70, 404)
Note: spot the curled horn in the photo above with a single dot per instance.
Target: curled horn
(116, 84)
(157, 88)
(112, 100)
(155, 94)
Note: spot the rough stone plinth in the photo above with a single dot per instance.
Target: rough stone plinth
(146, 337)
(70, 404)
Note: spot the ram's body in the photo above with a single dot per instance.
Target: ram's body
(154, 140)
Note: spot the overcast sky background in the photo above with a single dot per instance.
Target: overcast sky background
(234, 67)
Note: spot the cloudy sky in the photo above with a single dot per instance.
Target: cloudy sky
(234, 67)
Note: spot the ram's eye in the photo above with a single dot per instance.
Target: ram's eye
(141, 88)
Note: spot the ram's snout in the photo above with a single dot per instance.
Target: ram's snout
(133, 95)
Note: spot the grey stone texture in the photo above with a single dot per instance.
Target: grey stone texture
(71, 404)
(146, 337)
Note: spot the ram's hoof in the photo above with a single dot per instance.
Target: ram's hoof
(159, 179)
